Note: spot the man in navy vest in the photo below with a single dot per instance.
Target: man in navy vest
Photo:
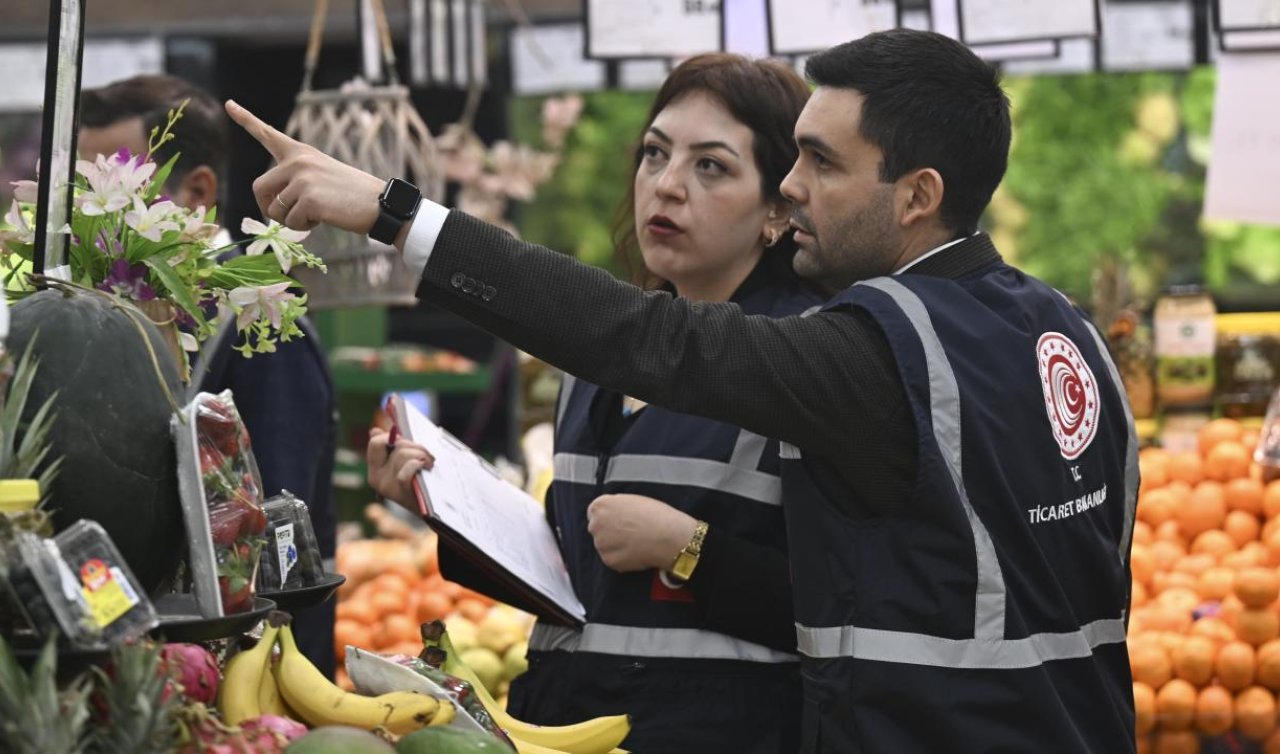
(958, 456)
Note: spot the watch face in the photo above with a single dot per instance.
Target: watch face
(400, 198)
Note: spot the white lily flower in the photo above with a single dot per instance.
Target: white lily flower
(113, 183)
(19, 230)
(274, 236)
(151, 222)
(25, 191)
(194, 228)
(189, 342)
(252, 303)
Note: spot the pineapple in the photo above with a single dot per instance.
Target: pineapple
(22, 451)
(35, 718)
(137, 704)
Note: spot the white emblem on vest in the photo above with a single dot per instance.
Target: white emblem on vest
(1070, 393)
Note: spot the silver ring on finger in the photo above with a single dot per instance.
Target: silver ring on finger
(280, 201)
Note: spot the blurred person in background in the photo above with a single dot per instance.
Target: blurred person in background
(286, 397)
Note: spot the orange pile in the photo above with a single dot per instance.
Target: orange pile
(393, 586)
(1204, 631)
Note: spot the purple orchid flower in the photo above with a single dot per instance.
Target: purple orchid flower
(128, 281)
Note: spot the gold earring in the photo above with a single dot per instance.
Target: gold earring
(772, 238)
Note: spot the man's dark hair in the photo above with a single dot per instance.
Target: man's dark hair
(200, 138)
(928, 102)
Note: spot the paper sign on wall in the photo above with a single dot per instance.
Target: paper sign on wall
(992, 21)
(1244, 164)
(1148, 36)
(1248, 14)
(944, 18)
(801, 26)
(548, 59)
(652, 28)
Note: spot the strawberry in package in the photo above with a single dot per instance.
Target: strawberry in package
(221, 492)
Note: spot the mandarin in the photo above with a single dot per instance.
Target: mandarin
(1215, 542)
(1255, 712)
(1186, 466)
(1228, 460)
(1151, 665)
(1195, 564)
(1246, 495)
(1142, 534)
(1234, 665)
(1242, 526)
(1169, 532)
(1166, 553)
(1144, 707)
(1177, 742)
(1257, 626)
(1204, 509)
(433, 606)
(350, 633)
(1153, 470)
(1267, 661)
(1193, 660)
(1156, 507)
(1229, 609)
(1176, 705)
(1137, 594)
(1271, 500)
(1257, 586)
(1216, 583)
(1142, 564)
(1215, 710)
(1217, 431)
(387, 603)
(1215, 629)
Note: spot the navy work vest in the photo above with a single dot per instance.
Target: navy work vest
(712, 471)
(986, 613)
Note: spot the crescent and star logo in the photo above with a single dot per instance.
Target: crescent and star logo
(1070, 393)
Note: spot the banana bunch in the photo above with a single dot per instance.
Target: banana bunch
(248, 685)
(318, 701)
(600, 735)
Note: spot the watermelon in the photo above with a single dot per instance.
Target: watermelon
(112, 426)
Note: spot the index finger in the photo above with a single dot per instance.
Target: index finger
(275, 142)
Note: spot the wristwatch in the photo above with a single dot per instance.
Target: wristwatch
(687, 560)
(397, 205)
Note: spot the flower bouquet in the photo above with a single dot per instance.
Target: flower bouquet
(129, 240)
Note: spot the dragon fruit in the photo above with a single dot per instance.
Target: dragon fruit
(267, 731)
(202, 733)
(195, 669)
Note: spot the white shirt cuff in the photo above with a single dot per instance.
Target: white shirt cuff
(422, 236)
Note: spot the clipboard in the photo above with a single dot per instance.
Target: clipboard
(493, 525)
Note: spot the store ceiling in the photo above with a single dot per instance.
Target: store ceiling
(248, 19)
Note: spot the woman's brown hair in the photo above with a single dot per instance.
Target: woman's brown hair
(763, 95)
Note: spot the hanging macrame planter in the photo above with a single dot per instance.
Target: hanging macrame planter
(376, 129)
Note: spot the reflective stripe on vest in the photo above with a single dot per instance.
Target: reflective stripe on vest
(744, 481)
(566, 389)
(921, 649)
(988, 648)
(635, 641)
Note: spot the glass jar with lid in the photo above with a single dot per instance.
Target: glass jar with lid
(1248, 362)
(1185, 345)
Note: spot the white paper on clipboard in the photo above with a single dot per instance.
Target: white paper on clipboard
(496, 520)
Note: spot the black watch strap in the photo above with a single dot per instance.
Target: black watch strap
(386, 227)
(397, 205)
